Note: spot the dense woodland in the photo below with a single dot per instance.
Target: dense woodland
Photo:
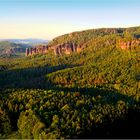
(94, 93)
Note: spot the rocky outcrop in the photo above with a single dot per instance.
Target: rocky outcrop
(59, 49)
(125, 45)
(40, 49)
(13, 51)
(65, 48)
(8, 52)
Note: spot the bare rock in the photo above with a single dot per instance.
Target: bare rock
(126, 45)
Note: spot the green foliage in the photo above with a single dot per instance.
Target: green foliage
(57, 114)
(5, 125)
(29, 125)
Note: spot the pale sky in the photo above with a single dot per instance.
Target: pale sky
(47, 19)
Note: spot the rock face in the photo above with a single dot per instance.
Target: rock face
(40, 49)
(9, 52)
(65, 48)
(125, 45)
(59, 49)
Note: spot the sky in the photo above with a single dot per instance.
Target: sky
(47, 19)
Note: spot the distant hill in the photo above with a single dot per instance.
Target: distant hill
(29, 41)
(10, 49)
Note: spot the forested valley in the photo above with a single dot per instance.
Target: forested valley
(93, 93)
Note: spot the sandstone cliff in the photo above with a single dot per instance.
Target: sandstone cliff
(59, 49)
(127, 45)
